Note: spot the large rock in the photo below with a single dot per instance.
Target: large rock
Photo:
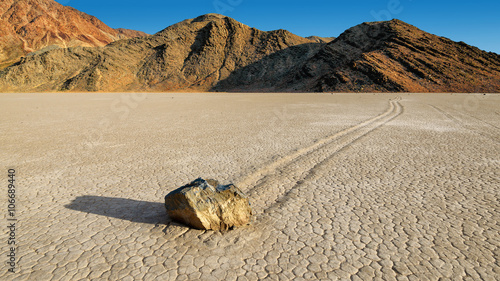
(205, 204)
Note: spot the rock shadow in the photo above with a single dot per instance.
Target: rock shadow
(121, 208)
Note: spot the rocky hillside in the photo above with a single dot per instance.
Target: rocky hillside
(124, 33)
(191, 55)
(216, 53)
(390, 56)
(32, 25)
(318, 39)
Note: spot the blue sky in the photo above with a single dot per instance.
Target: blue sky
(475, 23)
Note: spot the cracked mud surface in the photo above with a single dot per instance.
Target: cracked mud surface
(343, 186)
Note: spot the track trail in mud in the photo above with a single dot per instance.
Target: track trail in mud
(275, 180)
(271, 186)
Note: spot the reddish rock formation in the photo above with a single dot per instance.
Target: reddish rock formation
(31, 25)
(124, 33)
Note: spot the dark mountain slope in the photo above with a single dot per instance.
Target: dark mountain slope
(395, 56)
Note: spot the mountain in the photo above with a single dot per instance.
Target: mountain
(124, 33)
(396, 56)
(318, 39)
(31, 25)
(390, 56)
(217, 53)
(191, 55)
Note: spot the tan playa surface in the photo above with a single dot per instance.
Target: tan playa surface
(344, 186)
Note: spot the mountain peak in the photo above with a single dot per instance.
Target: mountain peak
(397, 56)
(209, 16)
(31, 25)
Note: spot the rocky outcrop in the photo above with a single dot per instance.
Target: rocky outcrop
(205, 204)
(31, 25)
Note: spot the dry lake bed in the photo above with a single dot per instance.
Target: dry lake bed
(343, 186)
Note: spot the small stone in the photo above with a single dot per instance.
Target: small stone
(205, 204)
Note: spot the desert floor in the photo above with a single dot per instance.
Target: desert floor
(343, 186)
